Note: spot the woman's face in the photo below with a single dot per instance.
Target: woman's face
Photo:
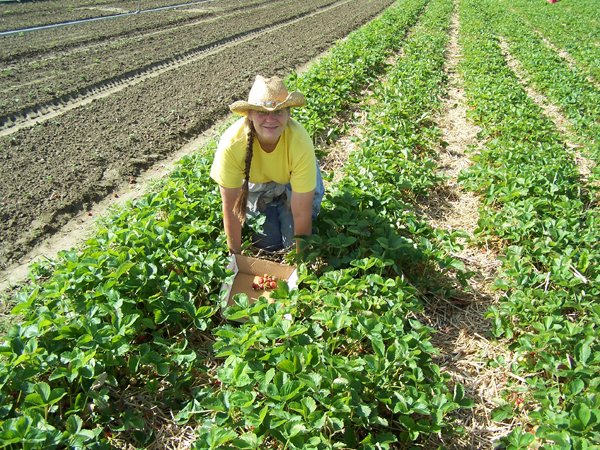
(269, 126)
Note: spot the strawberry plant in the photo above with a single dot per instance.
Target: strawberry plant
(336, 361)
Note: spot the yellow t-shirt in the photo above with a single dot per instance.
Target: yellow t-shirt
(293, 160)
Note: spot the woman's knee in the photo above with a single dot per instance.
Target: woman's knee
(270, 237)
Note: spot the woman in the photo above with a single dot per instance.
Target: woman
(265, 165)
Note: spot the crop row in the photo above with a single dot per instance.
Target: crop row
(340, 360)
(27, 83)
(578, 99)
(61, 39)
(31, 14)
(335, 83)
(571, 26)
(343, 361)
(537, 211)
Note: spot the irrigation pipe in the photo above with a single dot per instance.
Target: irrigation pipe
(93, 19)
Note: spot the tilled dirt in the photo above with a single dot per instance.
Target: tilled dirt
(38, 79)
(38, 13)
(75, 37)
(61, 166)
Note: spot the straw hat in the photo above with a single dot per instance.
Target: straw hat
(268, 94)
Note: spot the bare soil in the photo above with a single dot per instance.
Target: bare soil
(58, 68)
(54, 168)
(24, 15)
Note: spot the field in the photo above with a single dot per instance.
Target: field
(449, 295)
(157, 79)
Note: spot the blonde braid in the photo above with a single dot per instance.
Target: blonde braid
(239, 208)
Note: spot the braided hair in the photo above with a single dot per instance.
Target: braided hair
(239, 208)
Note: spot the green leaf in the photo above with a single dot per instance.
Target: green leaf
(309, 403)
(363, 411)
(73, 424)
(501, 413)
(385, 439)
(287, 366)
(123, 269)
(289, 390)
(241, 399)
(131, 421)
(583, 414)
(584, 352)
(378, 346)
(246, 441)
(43, 395)
(220, 436)
(459, 392)
(575, 386)
(295, 429)
(44, 391)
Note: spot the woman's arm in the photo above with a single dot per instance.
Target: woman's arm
(302, 214)
(231, 223)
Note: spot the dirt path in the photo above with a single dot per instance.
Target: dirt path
(460, 322)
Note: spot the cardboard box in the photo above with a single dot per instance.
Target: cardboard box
(246, 268)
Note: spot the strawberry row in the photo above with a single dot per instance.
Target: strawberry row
(537, 212)
(565, 86)
(342, 361)
(571, 26)
(137, 309)
(335, 83)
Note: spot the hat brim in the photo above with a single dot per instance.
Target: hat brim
(293, 100)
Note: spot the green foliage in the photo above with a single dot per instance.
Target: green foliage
(335, 362)
(119, 311)
(570, 26)
(566, 86)
(539, 210)
(335, 83)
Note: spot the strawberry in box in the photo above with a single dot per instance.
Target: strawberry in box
(257, 277)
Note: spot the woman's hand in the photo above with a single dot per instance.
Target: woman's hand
(302, 214)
